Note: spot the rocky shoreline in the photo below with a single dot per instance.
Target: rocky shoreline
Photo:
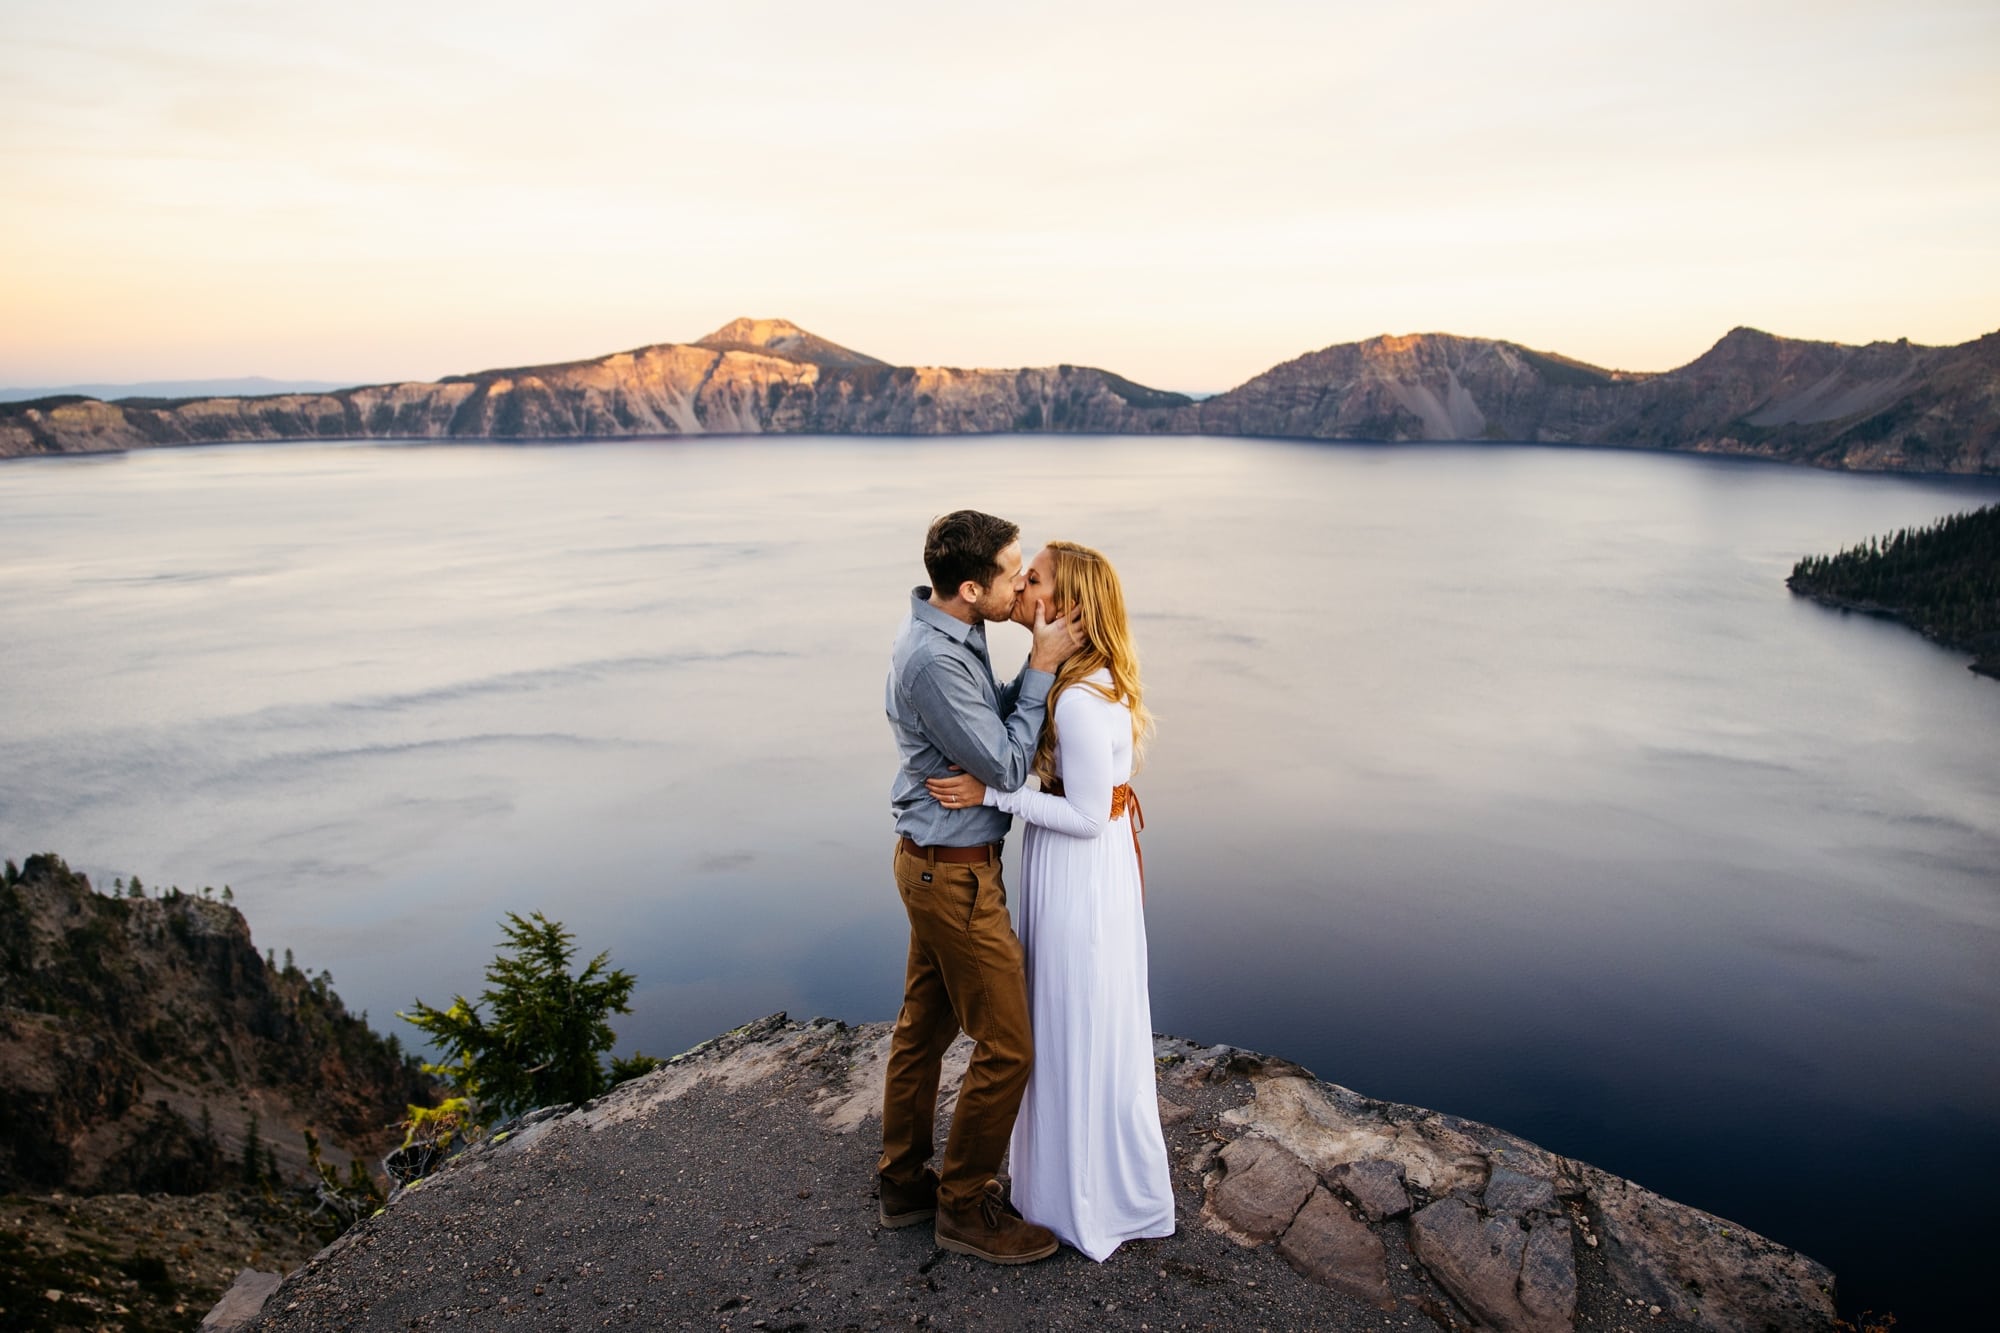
(1983, 663)
(731, 1189)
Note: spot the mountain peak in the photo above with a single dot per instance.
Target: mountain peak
(754, 332)
(782, 338)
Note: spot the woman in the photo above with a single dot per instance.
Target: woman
(1089, 1161)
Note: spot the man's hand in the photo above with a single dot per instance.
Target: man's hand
(1055, 640)
(959, 793)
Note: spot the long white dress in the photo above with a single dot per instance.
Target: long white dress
(1088, 1159)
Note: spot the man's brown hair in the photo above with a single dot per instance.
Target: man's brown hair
(964, 547)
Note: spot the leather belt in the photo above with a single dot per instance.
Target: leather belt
(958, 856)
(1123, 800)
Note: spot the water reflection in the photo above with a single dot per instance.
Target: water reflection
(1507, 781)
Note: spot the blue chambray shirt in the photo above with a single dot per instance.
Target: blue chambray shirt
(945, 709)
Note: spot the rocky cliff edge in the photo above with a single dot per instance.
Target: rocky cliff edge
(732, 1189)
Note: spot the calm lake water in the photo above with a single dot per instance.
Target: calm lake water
(1507, 781)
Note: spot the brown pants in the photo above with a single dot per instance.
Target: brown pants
(964, 972)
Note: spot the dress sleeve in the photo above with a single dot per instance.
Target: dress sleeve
(1083, 728)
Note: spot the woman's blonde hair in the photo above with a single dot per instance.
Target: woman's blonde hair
(1087, 587)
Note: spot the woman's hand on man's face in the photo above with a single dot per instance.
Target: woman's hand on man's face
(1055, 640)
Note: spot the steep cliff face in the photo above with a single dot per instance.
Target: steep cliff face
(749, 377)
(1884, 407)
(138, 1036)
(1421, 387)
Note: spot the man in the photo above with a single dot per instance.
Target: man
(964, 966)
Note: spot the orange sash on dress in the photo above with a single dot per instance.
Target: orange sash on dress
(1123, 798)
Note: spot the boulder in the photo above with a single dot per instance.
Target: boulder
(1548, 1271)
(242, 1302)
(1506, 1275)
(1375, 1185)
(1262, 1191)
(1511, 1191)
(1330, 1245)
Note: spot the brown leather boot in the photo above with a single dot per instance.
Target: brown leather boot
(906, 1206)
(990, 1231)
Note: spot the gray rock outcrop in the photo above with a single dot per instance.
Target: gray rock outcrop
(1498, 1229)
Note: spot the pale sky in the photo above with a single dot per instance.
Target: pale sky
(1184, 193)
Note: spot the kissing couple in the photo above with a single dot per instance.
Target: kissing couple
(1061, 1073)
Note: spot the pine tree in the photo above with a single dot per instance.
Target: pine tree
(549, 1031)
(1943, 580)
(252, 1159)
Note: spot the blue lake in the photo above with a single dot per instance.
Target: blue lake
(1509, 781)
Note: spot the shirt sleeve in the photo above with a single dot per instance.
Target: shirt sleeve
(1083, 728)
(999, 751)
(1012, 689)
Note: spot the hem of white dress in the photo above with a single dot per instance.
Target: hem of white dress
(1137, 1235)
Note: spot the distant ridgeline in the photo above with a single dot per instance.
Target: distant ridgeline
(1943, 581)
(1882, 407)
(146, 1046)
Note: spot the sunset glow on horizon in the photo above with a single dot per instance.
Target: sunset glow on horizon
(1184, 194)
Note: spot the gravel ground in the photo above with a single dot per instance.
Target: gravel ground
(740, 1209)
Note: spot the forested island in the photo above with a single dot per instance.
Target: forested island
(1942, 580)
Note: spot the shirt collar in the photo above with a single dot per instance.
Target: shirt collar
(921, 608)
